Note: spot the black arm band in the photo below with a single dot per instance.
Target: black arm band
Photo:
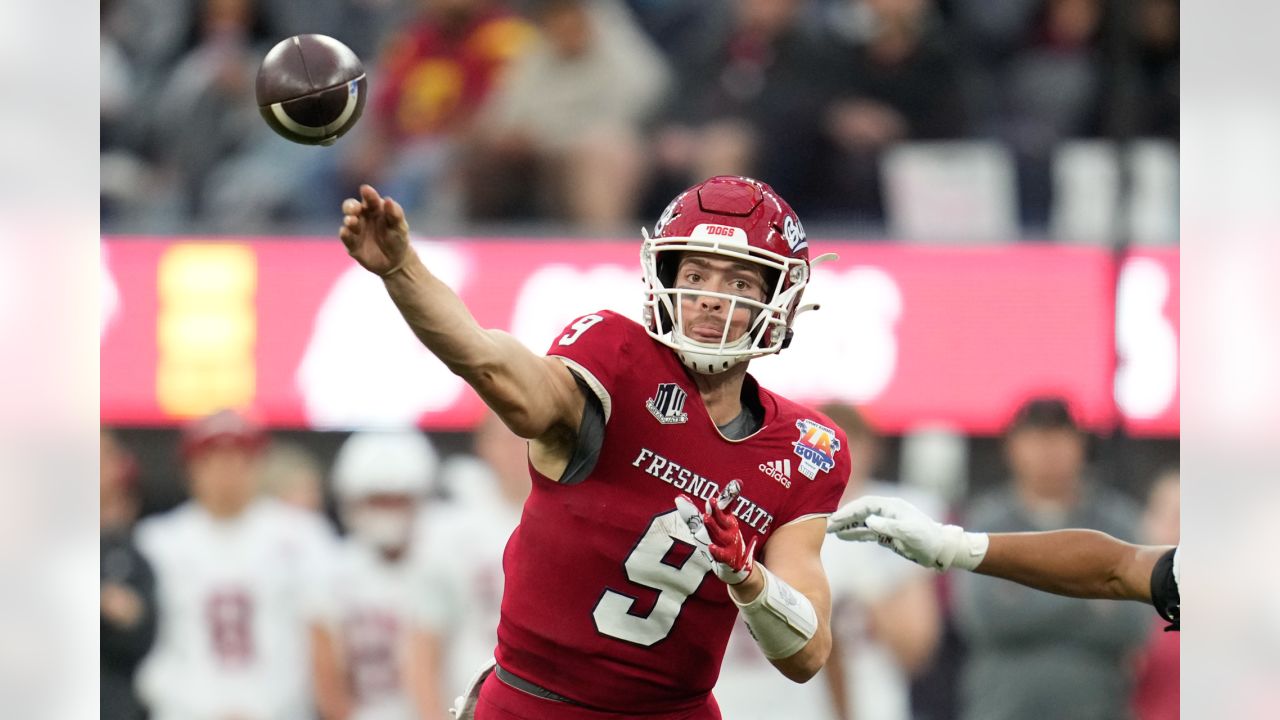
(1164, 591)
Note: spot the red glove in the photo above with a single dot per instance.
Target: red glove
(717, 531)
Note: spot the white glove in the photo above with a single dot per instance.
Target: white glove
(902, 527)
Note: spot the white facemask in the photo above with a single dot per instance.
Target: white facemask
(383, 528)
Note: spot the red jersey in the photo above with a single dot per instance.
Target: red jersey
(606, 601)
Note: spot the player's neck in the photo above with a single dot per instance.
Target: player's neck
(722, 393)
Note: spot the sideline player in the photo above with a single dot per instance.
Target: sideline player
(1075, 563)
(239, 579)
(381, 479)
(607, 608)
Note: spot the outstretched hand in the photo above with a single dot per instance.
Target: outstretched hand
(908, 531)
(375, 232)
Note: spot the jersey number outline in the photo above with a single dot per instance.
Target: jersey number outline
(581, 325)
(647, 566)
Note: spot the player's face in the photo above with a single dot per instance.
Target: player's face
(1046, 459)
(704, 316)
(224, 478)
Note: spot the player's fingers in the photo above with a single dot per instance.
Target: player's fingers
(351, 206)
(371, 200)
(348, 238)
(393, 211)
(859, 534)
(884, 526)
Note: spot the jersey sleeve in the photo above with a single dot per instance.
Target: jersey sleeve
(595, 346)
(1165, 595)
(821, 495)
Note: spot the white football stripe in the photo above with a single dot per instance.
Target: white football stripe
(353, 98)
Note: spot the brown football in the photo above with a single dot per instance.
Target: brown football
(311, 89)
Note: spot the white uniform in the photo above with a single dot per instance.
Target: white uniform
(457, 586)
(368, 613)
(861, 575)
(234, 600)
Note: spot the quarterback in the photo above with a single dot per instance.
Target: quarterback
(671, 492)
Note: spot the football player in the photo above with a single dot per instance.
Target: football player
(381, 479)
(671, 492)
(1075, 563)
(239, 579)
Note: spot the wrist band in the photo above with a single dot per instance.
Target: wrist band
(781, 618)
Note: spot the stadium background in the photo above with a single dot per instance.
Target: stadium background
(1043, 132)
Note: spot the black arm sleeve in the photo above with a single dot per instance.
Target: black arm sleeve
(590, 437)
(1164, 591)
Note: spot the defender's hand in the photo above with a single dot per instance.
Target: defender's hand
(902, 527)
(375, 232)
(717, 532)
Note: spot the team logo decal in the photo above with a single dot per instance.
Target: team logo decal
(667, 405)
(817, 448)
(793, 232)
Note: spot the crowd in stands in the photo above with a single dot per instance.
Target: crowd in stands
(585, 114)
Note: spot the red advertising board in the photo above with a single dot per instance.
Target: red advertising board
(294, 331)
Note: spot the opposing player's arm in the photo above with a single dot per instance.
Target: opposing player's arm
(333, 699)
(1076, 563)
(793, 555)
(535, 396)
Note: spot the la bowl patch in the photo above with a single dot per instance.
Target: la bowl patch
(817, 448)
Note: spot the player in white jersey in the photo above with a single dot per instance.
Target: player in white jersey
(238, 585)
(457, 589)
(381, 480)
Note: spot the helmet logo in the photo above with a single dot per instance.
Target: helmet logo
(793, 231)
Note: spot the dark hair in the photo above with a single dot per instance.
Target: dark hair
(1045, 413)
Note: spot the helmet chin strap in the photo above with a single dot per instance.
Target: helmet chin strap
(702, 357)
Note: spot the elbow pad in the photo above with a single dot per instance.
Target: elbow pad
(781, 618)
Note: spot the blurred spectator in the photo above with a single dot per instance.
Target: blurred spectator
(205, 109)
(1157, 106)
(885, 618)
(1052, 91)
(291, 474)
(128, 625)
(748, 102)
(1156, 687)
(896, 81)
(426, 89)
(562, 136)
(239, 580)
(381, 479)
(457, 590)
(1033, 654)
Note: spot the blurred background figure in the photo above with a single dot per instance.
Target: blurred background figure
(381, 480)
(748, 102)
(293, 475)
(128, 585)
(240, 580)
(897, 81)
(458, 579)
(1156, 685)
(562, 136)
(1033, 654)
(431, 80)
(885, 618)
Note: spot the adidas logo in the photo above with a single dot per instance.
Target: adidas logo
(779, 470)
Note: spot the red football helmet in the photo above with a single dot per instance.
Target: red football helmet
(738, 218)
